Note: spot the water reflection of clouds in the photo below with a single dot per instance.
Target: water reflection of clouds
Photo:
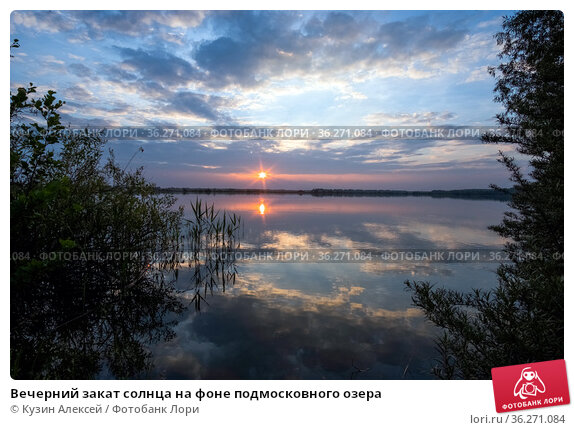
(319, 320)
(292, 221)
(303, 225)
(380, 236)
(269, 325)
(406, 268)
(246, 336)
(280, 239)
(444, 235)
(343, 299)
(287, 240)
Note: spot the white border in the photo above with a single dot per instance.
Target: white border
(408, 404)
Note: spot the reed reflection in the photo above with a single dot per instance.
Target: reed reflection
(98, 318)
(211, 240)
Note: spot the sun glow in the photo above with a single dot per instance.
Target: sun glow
(262, 175)
(262, 208)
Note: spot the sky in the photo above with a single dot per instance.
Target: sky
(275, 68)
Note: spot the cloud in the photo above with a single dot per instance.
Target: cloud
(476, 51)
(197, 105)
(201, 166)
(159, 66)
(41, 21)
(273, 321)
(95, 24)
(158, 76)
(76, 57)
(414, 37)
(228, 62)
(256, 47)
(117, 73)
(81, 71)
(335, 26)
(414, 118)
(269, 67)
(478, 74)
(495, 22)
(78, 93)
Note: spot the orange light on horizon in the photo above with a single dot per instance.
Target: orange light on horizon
(262, 175)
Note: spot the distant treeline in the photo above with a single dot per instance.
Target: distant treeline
(474, 194)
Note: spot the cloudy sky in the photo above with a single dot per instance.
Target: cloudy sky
(320, 68)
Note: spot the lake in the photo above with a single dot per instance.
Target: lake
(341, 313)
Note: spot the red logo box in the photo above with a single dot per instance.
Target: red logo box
(529, 386)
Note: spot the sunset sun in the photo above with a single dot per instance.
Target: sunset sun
(262, 175)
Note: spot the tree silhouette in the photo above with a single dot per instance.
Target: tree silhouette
(95, 252)
(522, 319)
(88, 285)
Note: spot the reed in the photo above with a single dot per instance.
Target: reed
(210, 240)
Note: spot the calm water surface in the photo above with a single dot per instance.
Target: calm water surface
(335, 320)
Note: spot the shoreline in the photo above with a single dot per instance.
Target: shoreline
(504, 194)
